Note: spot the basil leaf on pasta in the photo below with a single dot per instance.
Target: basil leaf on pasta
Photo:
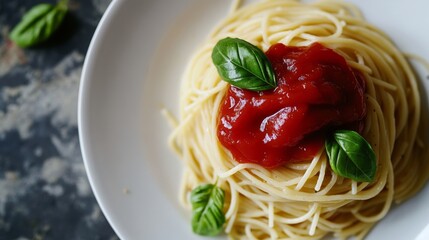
(38, 24)
(351, 156)
(243, 65)
(207, 209)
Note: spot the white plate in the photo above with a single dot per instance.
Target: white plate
(133, 68)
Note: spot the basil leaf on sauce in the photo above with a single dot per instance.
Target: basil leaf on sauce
(351, 156)
(243, 65)
(39, 23)
(207, 210)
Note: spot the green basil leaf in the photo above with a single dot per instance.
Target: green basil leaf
(207, 210)
(38, 24)
(351, 156)
(243, 65)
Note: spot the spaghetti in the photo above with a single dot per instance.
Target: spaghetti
(306, 200)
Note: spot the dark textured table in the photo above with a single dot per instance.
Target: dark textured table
(44, 191)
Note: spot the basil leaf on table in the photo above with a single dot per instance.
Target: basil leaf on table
(243, 65)
(351, 156)
(207, 210)
(38, 24)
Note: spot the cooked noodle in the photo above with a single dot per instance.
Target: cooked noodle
(306, 200)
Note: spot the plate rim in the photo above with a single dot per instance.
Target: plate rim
(93, 49)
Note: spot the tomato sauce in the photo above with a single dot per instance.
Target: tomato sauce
(316, 92)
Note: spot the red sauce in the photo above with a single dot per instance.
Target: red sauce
(317, 92)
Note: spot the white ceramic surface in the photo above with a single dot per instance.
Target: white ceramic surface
(133, 69)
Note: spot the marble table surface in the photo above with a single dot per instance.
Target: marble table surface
(44, 190)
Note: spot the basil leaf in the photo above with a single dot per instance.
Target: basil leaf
(351, 156)
(207, 210)
(243, 65)
(38, 24)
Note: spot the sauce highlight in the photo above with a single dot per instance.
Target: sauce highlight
(316, 92)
